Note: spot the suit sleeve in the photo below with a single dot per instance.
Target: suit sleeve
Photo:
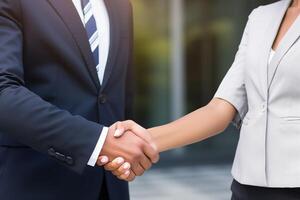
(28, 118)
(232, 89)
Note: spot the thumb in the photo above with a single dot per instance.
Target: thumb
(122, 127)
(129, 125)
(120, 130)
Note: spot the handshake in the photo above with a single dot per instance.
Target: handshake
(128, 151)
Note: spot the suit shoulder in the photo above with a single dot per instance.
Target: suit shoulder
(270, 8)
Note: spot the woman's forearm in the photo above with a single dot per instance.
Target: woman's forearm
(194, 127)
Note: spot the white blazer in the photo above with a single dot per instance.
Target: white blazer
(267, 98)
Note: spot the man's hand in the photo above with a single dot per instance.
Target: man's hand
(139, 152)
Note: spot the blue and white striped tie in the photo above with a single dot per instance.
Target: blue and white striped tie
(91, 29)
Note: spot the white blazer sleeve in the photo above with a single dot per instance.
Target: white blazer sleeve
(232, 88)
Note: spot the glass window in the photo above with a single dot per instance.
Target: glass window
(211, 31)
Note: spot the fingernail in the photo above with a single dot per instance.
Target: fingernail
(126, 166)
(127, 172)
(104, 159)
(118, 133)
(120, 160)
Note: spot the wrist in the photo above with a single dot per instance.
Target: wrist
(155, 135)
(98, 148)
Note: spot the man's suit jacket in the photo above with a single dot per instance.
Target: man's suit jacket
(52, 106)
(267, 98)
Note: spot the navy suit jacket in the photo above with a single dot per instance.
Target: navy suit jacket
(52, 106)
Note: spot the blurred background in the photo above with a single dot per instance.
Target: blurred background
(183, 48)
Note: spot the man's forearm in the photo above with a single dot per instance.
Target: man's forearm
(34, 122)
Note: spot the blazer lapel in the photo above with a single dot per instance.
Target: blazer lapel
(287, 42)
(67, 11)
(268, 40)
(112, 9)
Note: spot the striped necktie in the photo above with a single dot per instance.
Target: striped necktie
(91, 29)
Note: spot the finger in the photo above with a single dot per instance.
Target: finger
(146, 163)
(125, 176)
(131, 176)
(115, 164)
(151, 153)
(138, 170)
(120, 130)
(122, 170)
(102, 160)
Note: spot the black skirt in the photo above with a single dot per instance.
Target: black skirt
(245, 192)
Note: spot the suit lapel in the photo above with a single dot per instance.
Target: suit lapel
(287, 42)
(67, 12)
(268, 40)
(112, 9)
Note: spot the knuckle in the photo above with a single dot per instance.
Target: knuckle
(140, 145)
(140, 156)
(131, 157)
(120, 171)
(132, 179)
(140, 173)
(115, 166)
(110, 166)
(137, 157)
(123, 176)
(132, 160)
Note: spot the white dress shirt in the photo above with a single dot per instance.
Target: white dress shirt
(102, 22)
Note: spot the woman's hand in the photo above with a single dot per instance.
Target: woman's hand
(129, 125)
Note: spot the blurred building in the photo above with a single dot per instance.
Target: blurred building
(183, 49)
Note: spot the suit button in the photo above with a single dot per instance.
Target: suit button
(69, 160)
(51, 152)
(60, 156)
(102, 98)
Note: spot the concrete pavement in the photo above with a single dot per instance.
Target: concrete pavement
(184, 183)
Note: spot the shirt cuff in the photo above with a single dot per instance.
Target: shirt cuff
(93, 159)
